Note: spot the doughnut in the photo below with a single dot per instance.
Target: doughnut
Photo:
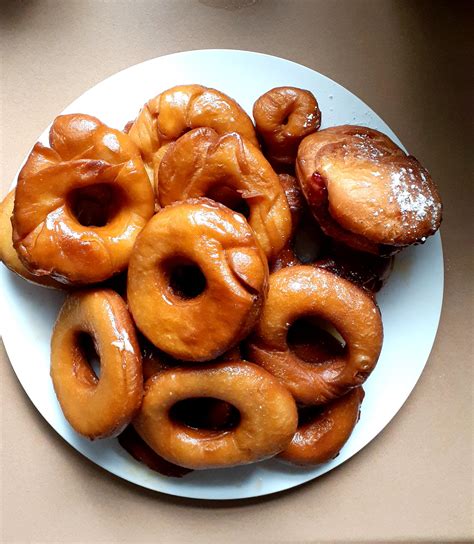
(8, 255)
(209, 413)
(323, 430)
(306, 291)
(233, 171)
(267, 422)
(196, 280)
(96, 407)
(283, 117)
(155, 360)
(295, 199)
(286, 257)
(169, 115)
(311, 343)
(364, 269)
(80, 204)
(133, 444)
(365, 191)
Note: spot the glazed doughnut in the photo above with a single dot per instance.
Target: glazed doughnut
(286, 257)
(213, 247)
(307, 291)
(365, 191)
(208, 413)
(283, 117)
(155, 360)
(364, 269)
(323, 430)
(295, 199)
(8, 255)
(268, 416)
(311, 343)
(227, 168)
(80, 205)
(96, 407)
(169, 115)
(133, 444)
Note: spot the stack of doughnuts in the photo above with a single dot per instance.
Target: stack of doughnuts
(222, 272)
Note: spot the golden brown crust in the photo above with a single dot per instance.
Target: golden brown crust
(202, 163)
(267, 423)
(208, 235)
(306, 291)
(8, 255)
(324, 430)
(283, 117)
(295, 199)
(94, 173)
(96, 407)
(169, 115)
(365, 191)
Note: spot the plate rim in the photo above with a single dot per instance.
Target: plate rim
(132, 478)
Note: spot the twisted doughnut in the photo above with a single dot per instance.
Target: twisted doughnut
(80, 204)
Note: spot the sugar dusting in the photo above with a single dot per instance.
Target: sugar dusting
(414, 198)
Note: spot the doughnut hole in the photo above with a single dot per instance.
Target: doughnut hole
(88, 353)
(95, 205)
(206, 414)
(315, 340)
(231, 198)
(184, 277)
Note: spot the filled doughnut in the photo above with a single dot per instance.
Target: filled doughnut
(8, 255)
(323, 430)
(266, 424)
(96, 407)
(169, 115)
(233, 171)
(196, 280)
(283, 117)
(80, 204)
(306, 291)
(365, 191)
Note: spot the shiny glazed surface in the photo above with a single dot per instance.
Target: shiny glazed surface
(99, 168)
(283, 117)
(321, 435)
(306, 291)
(8, 255)
(96, 407)
(365, 191)
(220, 243)
(268, 416)
(229, 169)
(173, 112)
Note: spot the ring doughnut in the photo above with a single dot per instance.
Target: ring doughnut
(80, 204)
(169, 115)
(8, 255)
(307, 291)
(268, 416)
(283, 117)
(214, 247)
(365, 191)
(227, 168)
(323, 430)
(96, 407)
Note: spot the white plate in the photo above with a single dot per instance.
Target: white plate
(410, 303)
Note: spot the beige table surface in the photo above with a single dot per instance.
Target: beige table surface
(407, 60)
